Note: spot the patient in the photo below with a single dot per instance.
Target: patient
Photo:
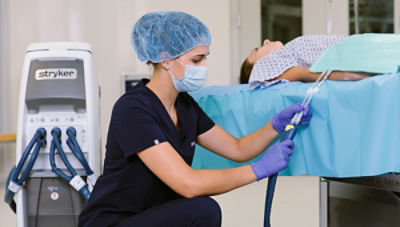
(274, 61)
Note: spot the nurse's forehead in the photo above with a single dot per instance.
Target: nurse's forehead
(199, 50)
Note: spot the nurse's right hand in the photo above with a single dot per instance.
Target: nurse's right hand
(275, 159)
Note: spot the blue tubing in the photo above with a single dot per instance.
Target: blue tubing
(289, 134)
(40, 133)
(33, 159)
(38, 140)
(85, 192)
(9, 195)
(268, 199)
(56, 144)
(75, 148)
(56, 133)
(79, 155)
(53, 163)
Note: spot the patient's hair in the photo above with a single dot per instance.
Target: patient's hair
(245, 71)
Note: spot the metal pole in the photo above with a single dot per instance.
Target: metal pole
(356, 20)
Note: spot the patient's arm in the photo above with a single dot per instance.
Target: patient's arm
(298, 73)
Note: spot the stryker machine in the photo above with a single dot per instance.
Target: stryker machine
(58, 135)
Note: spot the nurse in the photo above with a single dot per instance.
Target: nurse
(147, 178)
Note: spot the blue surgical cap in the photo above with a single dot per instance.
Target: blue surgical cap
(159, 36)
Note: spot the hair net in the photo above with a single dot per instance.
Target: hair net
(159, 36)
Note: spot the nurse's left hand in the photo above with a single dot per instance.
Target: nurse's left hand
(275, 159)
(280, 120)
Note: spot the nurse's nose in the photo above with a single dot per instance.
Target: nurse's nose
(266, 42)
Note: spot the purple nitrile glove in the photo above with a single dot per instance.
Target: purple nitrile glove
(280, 120)
(275, 159)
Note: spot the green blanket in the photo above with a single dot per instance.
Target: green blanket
(372, 53)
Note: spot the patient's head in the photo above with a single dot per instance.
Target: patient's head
(247, 65)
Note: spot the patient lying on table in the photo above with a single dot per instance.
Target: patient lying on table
(274, 62)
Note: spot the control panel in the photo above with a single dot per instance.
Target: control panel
(62, 120)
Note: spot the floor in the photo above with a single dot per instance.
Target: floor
(296, 203)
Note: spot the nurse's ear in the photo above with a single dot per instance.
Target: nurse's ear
(165, 64)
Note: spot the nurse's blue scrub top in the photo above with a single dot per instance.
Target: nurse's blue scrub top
(139, 121)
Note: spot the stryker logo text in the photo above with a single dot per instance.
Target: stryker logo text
(56, 74)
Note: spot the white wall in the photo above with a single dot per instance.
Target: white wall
(4, 111)
(106, 25)
(216, 15)
(396, 16)
(317, 14)
(245, 32)
(6, 149)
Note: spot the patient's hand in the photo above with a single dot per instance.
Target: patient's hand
(347, 76)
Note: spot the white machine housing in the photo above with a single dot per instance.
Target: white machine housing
(59, 88)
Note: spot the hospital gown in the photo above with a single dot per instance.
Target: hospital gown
(302, 51)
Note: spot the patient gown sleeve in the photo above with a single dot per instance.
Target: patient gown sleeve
(302, 51)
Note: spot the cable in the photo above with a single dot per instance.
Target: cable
(290, 133)
(74, 180)
(77, 151)
(56, 133)
(9, 195)
(53, 163)
(14, 184)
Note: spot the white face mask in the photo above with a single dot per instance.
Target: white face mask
(194, 78)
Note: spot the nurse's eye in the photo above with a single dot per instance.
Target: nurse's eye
(199, 59)
(196, 61)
